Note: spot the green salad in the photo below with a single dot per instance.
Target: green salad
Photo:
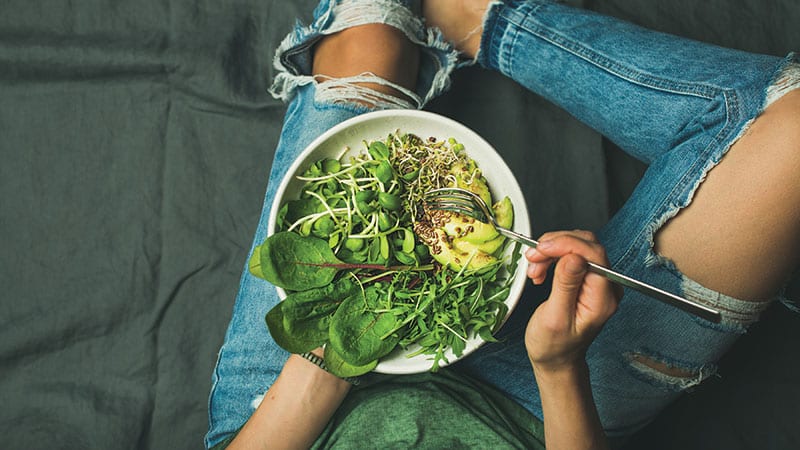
(369, 268)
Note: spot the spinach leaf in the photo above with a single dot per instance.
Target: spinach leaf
(282, 337)
(300, 322)
(342, 368)
(297, 263)
(359, 329)
(309, 312)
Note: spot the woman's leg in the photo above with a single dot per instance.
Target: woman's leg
(349, 61)
(723, 232)
(649, 92)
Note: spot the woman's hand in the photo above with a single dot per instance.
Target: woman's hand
(561, 328)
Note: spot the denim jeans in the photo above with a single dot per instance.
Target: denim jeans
(676, 104)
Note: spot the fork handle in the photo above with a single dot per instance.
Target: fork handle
(624, 280)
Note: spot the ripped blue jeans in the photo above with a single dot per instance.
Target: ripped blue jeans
(676, 104)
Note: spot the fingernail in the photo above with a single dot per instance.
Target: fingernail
(544, 245)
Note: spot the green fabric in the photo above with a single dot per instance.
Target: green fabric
(444, 410)
(436, 411)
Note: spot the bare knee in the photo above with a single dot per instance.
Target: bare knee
(741, 233)
(368, 64)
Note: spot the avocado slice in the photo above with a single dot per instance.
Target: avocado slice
(488, 247)
(442, 250)
(471, 178)
(461, 227)
(464, 228)
(447, 255)
(504, 214)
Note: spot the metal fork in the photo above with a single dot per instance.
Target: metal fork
(464, 202)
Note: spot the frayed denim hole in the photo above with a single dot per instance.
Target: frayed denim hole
(786, 79)
(349, 92)
(437, 61)
(737, 315)
(293, 57)
(667, 374)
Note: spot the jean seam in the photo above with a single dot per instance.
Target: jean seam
(488, 55)
(214, 384)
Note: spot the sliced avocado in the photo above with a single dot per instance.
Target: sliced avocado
(489, 247)
(466, 228)
(447, 255)
(471, 178)
(504, 212)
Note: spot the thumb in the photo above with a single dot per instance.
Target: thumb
(568, 279)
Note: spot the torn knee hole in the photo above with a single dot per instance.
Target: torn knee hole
(669, 374)
(367, 90)
(661, 367)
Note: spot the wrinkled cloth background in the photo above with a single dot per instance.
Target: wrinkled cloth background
(135, 142)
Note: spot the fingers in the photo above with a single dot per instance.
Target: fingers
(557, 244)
(586, 298)
(567, 283)
(580, 301)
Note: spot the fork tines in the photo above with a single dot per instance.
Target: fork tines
(452, 206)
(454, 194)
(456, 200)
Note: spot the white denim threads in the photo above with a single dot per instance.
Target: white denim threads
(788, 79)
(350, 89)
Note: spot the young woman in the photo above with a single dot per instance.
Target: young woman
(714, 218)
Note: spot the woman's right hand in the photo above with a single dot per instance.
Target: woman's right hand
(563, 326)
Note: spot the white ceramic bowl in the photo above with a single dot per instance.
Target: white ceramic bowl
(377, 125)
